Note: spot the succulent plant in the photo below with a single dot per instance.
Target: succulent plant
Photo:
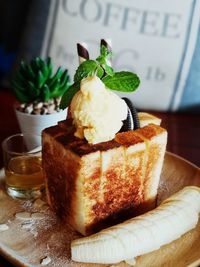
(34, 81)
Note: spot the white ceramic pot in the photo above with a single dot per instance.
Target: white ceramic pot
(34, 124)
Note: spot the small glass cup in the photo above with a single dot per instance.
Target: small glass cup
(23, 166)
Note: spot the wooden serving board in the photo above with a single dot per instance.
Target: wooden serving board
(27, 241)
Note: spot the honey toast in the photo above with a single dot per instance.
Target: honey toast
(95, 186)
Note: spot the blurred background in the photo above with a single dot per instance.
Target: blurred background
(161, 43)
(13, 17)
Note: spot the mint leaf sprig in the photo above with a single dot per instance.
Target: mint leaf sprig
(88, 68)
(123, 81)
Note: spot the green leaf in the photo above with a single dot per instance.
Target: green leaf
(87, 68)
(19, 93)
(22, 98)
(39, 62)
(68, 95)
(49, 64)
(105, 55)
(20, 78)
(34, 65)
(108, 70)
(104, 51)
(30, 72)
(59, 73)
(101, 60)
(59, 91)
(64, 81)
(64, 78)
(55, 79)
(45, 71)
(55, 91)
(123, 81)
(99, 72)
(62, 89)
(23, 70)
(32, 86)
(53, 87)
(15, 85)
(45, 93)
(33, 91)
(41, 79)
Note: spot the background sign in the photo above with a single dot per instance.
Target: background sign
(157, 41)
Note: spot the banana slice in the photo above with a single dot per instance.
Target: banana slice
(174, 217)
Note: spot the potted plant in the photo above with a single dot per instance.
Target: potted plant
(38, 92)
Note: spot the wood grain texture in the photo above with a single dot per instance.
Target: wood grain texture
(49, 237)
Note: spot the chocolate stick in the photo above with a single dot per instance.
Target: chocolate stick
(82, 52)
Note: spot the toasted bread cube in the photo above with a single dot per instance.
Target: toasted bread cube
(95, 186)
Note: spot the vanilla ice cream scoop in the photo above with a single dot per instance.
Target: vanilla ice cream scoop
(96, 111)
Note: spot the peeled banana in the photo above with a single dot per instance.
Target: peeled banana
(174, 217)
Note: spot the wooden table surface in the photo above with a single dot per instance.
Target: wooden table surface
(183, 133)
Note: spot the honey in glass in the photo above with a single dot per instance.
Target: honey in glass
(24, 172)
(23, 166)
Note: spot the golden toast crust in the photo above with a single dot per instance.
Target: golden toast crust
(95, 186)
